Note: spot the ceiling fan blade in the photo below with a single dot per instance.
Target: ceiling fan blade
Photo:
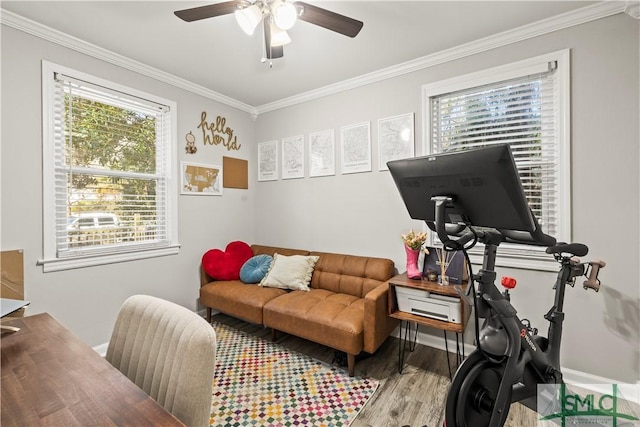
(208, 11)
(272, 51)
(330, 20)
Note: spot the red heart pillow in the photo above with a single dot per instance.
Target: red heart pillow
(226, 265)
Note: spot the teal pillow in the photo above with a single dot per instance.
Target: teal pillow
(255, 268)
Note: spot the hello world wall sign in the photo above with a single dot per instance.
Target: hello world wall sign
(234, 171)
(217, 132)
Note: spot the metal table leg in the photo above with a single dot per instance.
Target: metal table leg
(402, 342)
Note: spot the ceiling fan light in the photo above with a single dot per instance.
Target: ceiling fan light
(249, 18)
(284, 14)
(279, 37)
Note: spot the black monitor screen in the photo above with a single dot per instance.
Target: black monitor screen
(483, 183)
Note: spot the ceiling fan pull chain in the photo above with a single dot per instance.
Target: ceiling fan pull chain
(263, 59)
(270, 56)
(270, 51)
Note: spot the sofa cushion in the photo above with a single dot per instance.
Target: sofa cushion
(290, 272)
(325, 317)
(225, 265)
(350, 274)
(236, 299)
(254, 270)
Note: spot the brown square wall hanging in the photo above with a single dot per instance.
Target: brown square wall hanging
(235, 173)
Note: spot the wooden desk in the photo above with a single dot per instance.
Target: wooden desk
(51, 377)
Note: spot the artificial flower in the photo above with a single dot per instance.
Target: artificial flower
(414, 240)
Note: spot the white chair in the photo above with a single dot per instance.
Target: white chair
(169, 352)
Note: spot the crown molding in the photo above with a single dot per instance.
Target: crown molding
(47, 33)
(633, 8)
(559, 22)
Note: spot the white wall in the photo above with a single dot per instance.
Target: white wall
(363, 213)
(87, 300)
(359, 213)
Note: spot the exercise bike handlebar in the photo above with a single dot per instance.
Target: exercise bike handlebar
(592, 281)
(537, 237)
(445, 231)
(465, 233)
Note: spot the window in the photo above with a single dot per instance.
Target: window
(109, 187)
(526, 105)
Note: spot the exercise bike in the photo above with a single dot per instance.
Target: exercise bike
(511, 359)
(476, 196)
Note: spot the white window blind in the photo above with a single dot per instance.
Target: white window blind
(111, 176)
(526, 110)
(518, 112)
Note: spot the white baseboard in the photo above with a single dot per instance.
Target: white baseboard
(101, 349)
(630, 392)
(437, 341)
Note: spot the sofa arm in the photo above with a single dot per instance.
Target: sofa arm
(204, 277)
(377, 323)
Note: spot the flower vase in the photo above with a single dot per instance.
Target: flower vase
(412, 263)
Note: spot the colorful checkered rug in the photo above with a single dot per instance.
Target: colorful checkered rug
(259, 383)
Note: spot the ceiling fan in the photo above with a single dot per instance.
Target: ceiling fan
(277, 16)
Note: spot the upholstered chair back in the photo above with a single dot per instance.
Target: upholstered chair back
(169, 352)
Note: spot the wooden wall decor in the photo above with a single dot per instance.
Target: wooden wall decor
(190, 148)
(235, 173)
(218, 132)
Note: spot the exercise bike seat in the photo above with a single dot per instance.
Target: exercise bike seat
(575, 249)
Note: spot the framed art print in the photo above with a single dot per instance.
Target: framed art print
(199, 179)
(268, 161)
(356, 148)
(322, 153)
(395, 139)
(293, 157)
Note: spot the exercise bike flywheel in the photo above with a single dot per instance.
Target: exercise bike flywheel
(472, 404)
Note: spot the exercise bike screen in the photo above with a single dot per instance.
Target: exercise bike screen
(483, 184)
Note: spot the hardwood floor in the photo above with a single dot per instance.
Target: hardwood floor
(414, 398)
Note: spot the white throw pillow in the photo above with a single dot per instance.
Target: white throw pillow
(290, 272)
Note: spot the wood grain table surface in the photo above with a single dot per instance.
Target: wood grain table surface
(51, 377)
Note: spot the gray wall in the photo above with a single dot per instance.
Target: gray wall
(87, 300)
(359, 213)
(363, 213)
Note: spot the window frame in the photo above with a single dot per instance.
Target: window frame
(51, 261)
(511, 255)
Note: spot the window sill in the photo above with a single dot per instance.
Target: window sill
(511, 256)
(60, 264)
(525, 259)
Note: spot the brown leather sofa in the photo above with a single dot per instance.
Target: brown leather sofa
(346, 308)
